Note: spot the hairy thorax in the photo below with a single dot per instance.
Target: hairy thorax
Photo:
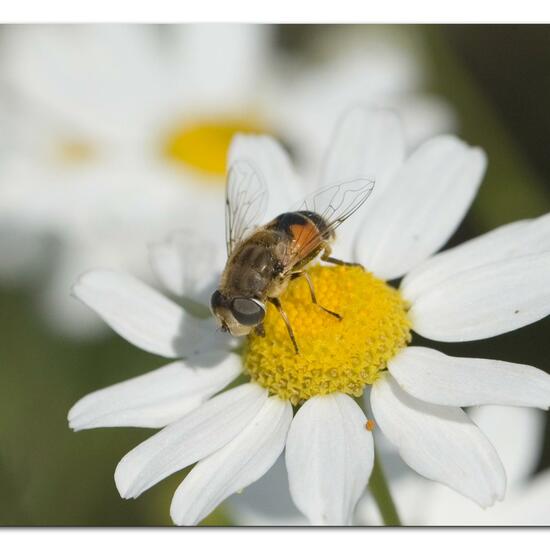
(255, 267)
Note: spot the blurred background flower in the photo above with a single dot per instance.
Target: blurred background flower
(118, 134)
(517, 435)
(115, 135)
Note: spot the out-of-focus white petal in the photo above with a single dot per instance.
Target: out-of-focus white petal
(527, 505)
(440, 443)
(157, 398)
(270, 159)
(145, 317)
(366, 143)
(198, 434)
(107, 79)
(515, 239)
(485, 301)
(266, 502)
(329, 458)
(425, 204)
(432, 376)
(517, 433)
(186, 265)
(531, 505)
(424, 116)
(235, 466)
(63, 313)
(222, 64)
(422, 502)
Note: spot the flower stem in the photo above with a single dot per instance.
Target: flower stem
(380, 491)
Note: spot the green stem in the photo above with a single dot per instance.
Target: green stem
(378, 486)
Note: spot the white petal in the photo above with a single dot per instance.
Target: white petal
(515, 239)
(437, 378)
(517, 433)
(265, 154)
(241, 462)
(185, 264)
(367, 143)
(485, 301)
(329, 458)
(155, 399)
(196, 435)
(423, 207)
(440, 443)
(145, 317)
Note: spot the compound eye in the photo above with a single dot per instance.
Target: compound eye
(247, 311)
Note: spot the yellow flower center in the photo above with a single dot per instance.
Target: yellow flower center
(203, 145)
(73, 152)
(335, 356)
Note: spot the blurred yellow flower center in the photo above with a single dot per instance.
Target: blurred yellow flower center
(203, 145)
(335, 356)
(74, 152)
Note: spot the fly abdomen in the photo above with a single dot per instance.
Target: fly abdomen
(290, 221)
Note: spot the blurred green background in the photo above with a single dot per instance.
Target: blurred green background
(496, 77)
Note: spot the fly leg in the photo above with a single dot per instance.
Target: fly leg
(326, 257)
(306, 276)
(276, 302)
(260, 330)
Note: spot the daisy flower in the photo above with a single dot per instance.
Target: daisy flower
(304, 403)
(118, 134)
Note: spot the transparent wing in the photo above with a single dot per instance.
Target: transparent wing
(245, 201)
(335, 204)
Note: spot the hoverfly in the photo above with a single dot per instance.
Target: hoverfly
(262, 260)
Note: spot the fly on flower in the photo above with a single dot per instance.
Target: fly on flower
(416, 394)
(263, 260)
